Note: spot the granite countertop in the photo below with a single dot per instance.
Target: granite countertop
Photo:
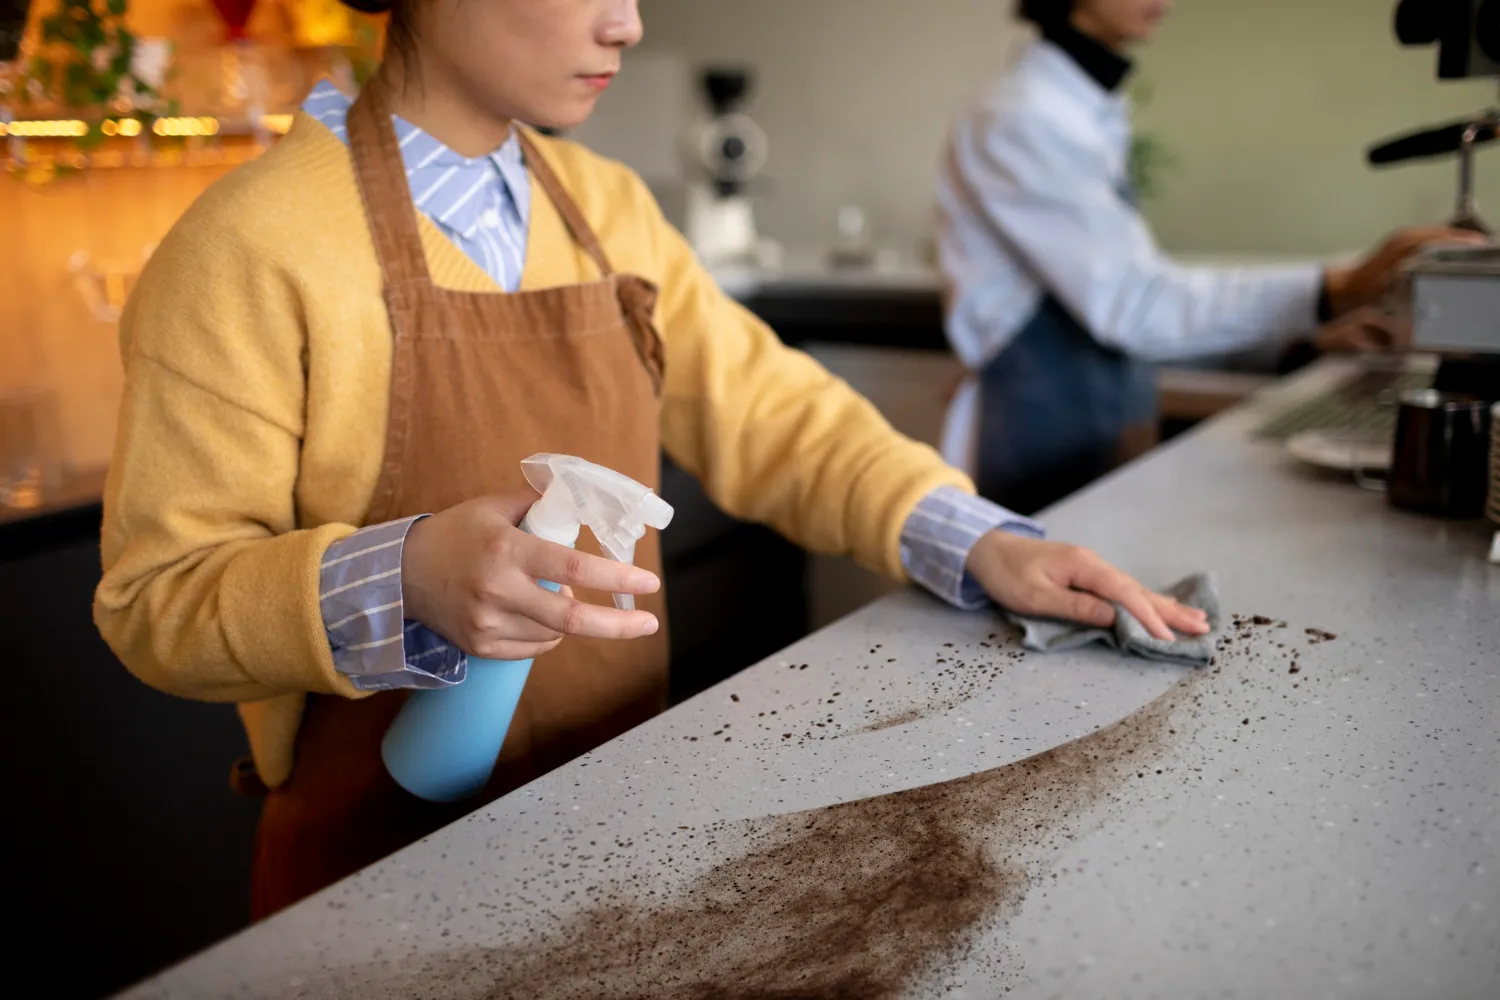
(1317, 814)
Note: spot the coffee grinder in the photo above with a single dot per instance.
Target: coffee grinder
(724, 154)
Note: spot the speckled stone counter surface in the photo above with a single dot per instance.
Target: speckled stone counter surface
(893, 807)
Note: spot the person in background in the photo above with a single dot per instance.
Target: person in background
(1060, 301)
(337, 359)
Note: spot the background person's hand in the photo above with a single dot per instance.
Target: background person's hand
(1353, 285)
(1050, 579)
(1364, 330)
(470, 574)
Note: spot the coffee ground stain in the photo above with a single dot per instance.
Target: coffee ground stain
(866, 899)
(902, 894)
(907, 716)
(900, 719)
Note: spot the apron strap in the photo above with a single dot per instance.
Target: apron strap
(572, 216)
(381, 174)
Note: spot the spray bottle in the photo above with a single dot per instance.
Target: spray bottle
(443, 744)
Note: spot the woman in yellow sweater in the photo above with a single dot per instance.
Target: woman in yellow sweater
(374, 323)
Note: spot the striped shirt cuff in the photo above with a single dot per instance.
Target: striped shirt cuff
(937, 537)
(373, 642)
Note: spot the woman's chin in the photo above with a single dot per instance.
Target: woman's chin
(564, 114)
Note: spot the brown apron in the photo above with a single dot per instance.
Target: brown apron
(479, 381)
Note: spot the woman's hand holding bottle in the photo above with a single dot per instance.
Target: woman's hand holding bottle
(470, 574)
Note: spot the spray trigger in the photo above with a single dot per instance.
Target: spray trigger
(574, 492)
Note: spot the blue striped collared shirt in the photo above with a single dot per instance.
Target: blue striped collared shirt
(483, 205)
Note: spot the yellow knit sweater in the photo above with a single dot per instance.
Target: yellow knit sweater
(257, 357)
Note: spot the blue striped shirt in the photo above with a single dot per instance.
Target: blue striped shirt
(483, 205)
(480, 203)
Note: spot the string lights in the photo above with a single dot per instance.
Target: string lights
(175, 127)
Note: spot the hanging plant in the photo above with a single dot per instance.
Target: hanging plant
(86, 63)
(364, 54)
(1150, 156)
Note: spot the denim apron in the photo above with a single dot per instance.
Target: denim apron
(1056, 408)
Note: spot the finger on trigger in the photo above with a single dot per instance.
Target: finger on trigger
(571, 616)
(562, 565)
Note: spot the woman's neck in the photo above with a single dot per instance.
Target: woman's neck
(443, 111)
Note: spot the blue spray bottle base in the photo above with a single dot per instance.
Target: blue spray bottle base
(443, 743)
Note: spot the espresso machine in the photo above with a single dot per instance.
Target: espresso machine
(725, 153)
(1453, 293)
(1447, 448)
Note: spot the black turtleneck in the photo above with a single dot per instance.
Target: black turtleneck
(1104, 64)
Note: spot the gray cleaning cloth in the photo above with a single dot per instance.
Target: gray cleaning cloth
(1129, 635)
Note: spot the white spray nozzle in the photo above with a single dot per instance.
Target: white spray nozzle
(616, 508)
